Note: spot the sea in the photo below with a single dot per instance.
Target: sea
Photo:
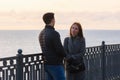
(27, 40)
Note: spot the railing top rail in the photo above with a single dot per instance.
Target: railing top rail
(14, 57)
(92, 47)
(111, 44)
(7, 58)
(35, 54)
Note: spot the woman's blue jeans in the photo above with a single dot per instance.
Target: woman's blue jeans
(55, 72)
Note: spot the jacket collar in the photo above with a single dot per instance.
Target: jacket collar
(50, 27)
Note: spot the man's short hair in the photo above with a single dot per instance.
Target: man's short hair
(47, 17)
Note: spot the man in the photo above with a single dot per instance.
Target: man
(52, 49)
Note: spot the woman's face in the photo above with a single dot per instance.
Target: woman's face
(74, 30)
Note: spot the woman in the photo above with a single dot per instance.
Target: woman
(75, 50)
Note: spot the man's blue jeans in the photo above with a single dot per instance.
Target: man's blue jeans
(55, 72)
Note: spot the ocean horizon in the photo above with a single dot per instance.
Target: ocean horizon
(27, 40)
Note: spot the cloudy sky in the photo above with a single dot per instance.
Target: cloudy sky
(27, 14)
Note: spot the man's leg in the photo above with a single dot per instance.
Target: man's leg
(56, 71)
(48, 76)
(60, 73)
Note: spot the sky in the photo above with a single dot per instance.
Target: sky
(92, 14)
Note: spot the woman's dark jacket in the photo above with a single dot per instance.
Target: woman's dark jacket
(51, 46)
(75, 49)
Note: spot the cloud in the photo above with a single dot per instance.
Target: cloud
(22, 18)
(90, 20)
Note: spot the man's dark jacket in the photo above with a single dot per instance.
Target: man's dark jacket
(51, 46)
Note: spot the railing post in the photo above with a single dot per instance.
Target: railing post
(19, 67)
(103, 60)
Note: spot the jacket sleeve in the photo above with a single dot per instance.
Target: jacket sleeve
(69, 57)
(58, 45)
(66, 45)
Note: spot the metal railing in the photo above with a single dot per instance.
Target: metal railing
(102, 63)
(22, 67)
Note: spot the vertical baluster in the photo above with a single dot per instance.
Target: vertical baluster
(31, 72)
(19, 70)
(103, 60)
(42, 72)
(37, 68)
(0, 75)
(90, 64)
(39, 72)
(93, 65)
(3, 75)
(86, 63)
